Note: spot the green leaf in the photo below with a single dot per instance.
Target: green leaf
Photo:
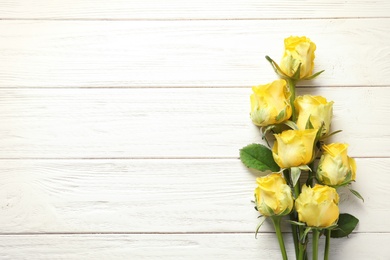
(345, 225)
(357, 194)
(259, 157)
(295, 174)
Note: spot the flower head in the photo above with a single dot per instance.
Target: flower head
(335, 166)
(317, 108)
(318, 206)
(273, 196)
(270, 103)
(298, 53)
(294, 148)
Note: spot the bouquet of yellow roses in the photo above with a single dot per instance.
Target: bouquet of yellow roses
(295, 129)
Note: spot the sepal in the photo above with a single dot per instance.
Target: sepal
(295, 174)
(259, 226)
(291, 124)
(357, 194)
(276, 67)
(264, 131)
(296, 75)
(296, 223)
(303, 238)
(309, 125)
(315, 75)
(329, 135)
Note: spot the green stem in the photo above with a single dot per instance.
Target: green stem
(293, 216)
(316, 235)
(327, 244)
(294, 230)
(291, 85)
(276, 221)
(286, 175)
(301, 247)
(302, 252)
(310, 179)
(297, 190)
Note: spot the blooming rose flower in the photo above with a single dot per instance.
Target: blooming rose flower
(273, 196)
(298, 50)
(270, 103)
(294, 148)
(318, 206)
(335, 166)
(317, 108)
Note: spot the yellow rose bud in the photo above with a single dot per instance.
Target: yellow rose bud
(317, 108)
(273, 196)
(298, 50)
(270, 103)
(294, 148)
(335, 166)
(318, 206)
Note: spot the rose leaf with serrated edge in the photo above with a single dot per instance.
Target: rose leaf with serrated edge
(345, 225)
(259, 157)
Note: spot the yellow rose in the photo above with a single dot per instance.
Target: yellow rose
(294, 148)
(270, 103)
(318, 206)
(317, 108)
(335, 166)
(273, 196)
(298, 50)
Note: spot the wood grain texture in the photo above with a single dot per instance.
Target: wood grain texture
(166, 123)
(223, 53)
(202, 195)
(187, 9)
(180, 246)
(120, 124)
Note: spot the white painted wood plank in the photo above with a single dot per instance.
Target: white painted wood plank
(198, 195)
(181, 246)
(166, 123)
(354, 52)
(187, 9)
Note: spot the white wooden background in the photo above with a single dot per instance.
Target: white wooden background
(121, 121)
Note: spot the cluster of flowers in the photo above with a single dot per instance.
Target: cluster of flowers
(300, 126)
